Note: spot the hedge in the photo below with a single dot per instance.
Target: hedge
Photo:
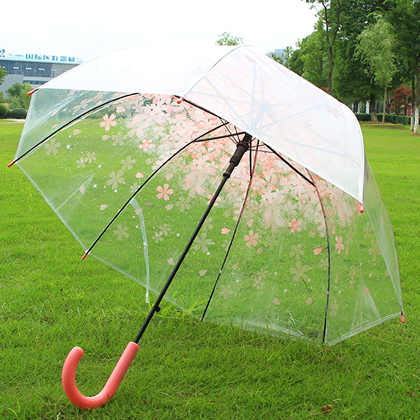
(389, 118)
(3, 110)
(18, 113)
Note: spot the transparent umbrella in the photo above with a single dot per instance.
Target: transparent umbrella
(223, 183)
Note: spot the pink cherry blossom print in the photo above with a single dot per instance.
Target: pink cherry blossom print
(317, 251)
(334, 111)
(108, 122)
(295, 225)
(339, 245)
(225, 231)
(164, 192)
(251, 238)
(146, 144)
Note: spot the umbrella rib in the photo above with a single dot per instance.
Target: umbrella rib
(324, 335)
(234, 233)
(145, 182)
(69, 123)
(291, 166)
(220, 137)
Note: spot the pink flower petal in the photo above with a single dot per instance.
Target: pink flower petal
(317, 251)
(225, 231)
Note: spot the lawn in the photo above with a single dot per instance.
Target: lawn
(51, 301)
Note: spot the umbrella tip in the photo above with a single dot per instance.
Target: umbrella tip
(403, 318)
(361, 208)
(85, 255)
(31, 92)
(179, 100)
(10, 164)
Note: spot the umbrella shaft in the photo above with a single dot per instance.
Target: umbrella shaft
(241, 148)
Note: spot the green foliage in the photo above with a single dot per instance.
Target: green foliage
(296, 63)
(2, 75)
(314, 57)
(405, 18)
(227, 39)
(376, 50)
(18, 113)
(351, 80)
(18, 97)
(3, 110)
(284, 57)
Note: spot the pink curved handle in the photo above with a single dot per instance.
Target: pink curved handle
(69, 381)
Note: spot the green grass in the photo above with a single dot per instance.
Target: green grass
(51, 301)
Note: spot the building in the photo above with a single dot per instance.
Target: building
(34, 69)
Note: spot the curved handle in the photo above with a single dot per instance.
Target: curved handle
(69, 381)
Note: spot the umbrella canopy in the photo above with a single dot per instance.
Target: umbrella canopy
(128, 150)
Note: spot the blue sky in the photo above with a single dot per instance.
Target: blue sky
(88, 29)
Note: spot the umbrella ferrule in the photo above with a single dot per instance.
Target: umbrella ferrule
(242, 147)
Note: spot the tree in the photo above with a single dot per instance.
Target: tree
(376, 49)
(315, 59)
(330, 15)
(400, 100)
(351, 80)
(227, 39)
(284, 57)
(405, 18)
(18, 97)
(2, 75)
(295, 62)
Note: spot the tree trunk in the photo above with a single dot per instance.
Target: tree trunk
(385, 95)
(416, 119)
(330, 72)
(413, 91)
(372, 108)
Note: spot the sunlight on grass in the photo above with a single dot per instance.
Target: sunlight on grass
(50, 301)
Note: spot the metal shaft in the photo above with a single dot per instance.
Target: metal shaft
(241, 148)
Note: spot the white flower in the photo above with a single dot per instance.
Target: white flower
(115, 179)
(121, 232)
(52, 147)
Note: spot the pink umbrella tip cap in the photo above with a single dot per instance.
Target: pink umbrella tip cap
(179, 100)
(361, 208)
(403, 318)
(31, 92)
(85, 255)
(10, 164)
